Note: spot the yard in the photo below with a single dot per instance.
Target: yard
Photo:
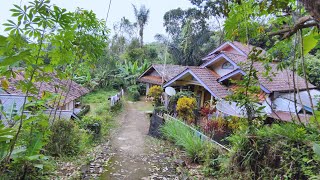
(98, 101)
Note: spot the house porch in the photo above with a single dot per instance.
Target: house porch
(202, 95)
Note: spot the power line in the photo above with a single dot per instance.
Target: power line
(108, 10)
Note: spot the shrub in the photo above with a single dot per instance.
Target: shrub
(210, 127)
(185, 108)
(134, 93)
(156, 93)
(102, 109)
(206, 110)
(174, 99)
(66, 139)
(117, 83)
(38, 168)
(161, 109)
(92, 124)
(27, 160)
(211, 156)
(284, 151)
(142, 88)
(135, 96)
(84, 111)
(235, 123)
(220, 124)
(182, 136)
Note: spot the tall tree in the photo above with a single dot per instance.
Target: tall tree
(190, 33)
(142, 17)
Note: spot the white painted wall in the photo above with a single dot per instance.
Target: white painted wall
(217, 67)
(147, 88)
(69, 106)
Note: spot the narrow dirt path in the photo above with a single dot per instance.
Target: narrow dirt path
(135, 155)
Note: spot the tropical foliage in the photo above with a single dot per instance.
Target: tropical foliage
(156, 93)
(44, 39)
(186, 107)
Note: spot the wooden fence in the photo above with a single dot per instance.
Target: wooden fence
(116, 98)
(197, 133)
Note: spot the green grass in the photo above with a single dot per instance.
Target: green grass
(101, 111)
(145, 106)
(98, 101)
(182, 136)
(99, 96)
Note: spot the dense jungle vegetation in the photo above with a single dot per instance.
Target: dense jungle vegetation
(44, 39)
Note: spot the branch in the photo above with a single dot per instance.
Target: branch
(303, 22)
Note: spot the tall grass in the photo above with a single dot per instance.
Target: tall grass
(182, 136)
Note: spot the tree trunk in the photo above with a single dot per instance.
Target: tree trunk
(141, 36)
(313, 7)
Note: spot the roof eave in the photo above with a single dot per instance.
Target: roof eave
(188, 70)
(223, 46)
(221, 55)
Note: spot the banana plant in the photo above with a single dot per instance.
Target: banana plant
(131, 71)
(6, 134)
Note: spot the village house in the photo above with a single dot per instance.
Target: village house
(211, 82)
(158, 74)
(65, 106)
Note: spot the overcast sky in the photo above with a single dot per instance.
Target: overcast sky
(119, 9)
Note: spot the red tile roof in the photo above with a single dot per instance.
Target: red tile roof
(277, 81)
(280, 80)
(55, 85)
(209, 78)
(151, 79)
(245, 48)
(167, 72)
(237, 58)
(261, 96)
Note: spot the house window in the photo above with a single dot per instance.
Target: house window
(227, 65)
